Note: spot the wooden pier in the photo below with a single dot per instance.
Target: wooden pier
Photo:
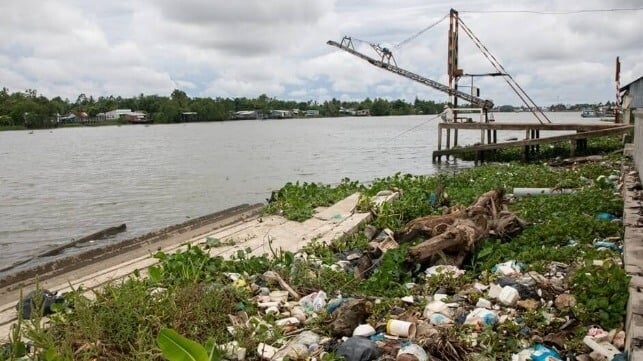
(531, 142)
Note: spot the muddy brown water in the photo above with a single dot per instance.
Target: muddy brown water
(63, 184)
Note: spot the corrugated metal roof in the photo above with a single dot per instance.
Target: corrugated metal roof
(625, 87)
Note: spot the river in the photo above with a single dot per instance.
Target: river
(61, 184)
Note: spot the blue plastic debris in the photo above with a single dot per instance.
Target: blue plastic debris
(544, 353)
(609, 245)
(432, 198)
(604, 216)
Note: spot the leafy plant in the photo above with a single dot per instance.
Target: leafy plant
(178, 348)
(601, 292)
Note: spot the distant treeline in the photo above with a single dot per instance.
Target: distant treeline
(31, 110)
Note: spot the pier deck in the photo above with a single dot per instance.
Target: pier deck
(532, 141)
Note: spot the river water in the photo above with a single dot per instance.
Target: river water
(61, 184)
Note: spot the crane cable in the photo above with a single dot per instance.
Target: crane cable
(407, 40)
(513, 84)
(414, 36)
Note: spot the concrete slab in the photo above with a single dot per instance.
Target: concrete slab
(276, 233)
(262, 235)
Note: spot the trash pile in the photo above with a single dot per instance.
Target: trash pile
(464, 318)
(510, 305)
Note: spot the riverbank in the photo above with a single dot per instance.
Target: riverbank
(565, 231)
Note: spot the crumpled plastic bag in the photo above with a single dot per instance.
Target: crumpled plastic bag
(313, 302)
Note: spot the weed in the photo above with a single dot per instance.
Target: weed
(601, 292)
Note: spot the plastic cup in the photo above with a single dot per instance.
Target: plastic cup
(400, 328)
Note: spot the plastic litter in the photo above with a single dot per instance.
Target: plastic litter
(266, 352)
(287, 321)
(482, 317)
(604, 216)
(364, 330)
(415, 350)
(400, 328)
(523, 192)
(358, 349)
(544, 353)
(439, 319)
(508, 296)
(454, 271)
(436, 307)
(609, 245)
(313, 302)
(483, 303)
(508, 268)
(46, 299)
(298, 347)
(598, 333)
(334, 304)
(524, 290)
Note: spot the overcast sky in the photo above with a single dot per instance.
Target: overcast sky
(226, 48)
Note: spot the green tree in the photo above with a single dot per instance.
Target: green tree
(380, 107)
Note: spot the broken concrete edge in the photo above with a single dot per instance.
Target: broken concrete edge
(633, 262)
(71, 262)
(347, 207)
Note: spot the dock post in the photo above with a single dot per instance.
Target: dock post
(455, 137)
(439, 143)
(572, 147)
(495, 136)
(448, 141)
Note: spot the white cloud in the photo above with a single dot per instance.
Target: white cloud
(223, 48)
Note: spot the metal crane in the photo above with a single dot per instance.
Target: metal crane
(385, 63)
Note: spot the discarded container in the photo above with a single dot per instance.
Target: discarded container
(364, 330)
(482, 317)
(266, 352)
(508, 296)
(287, 321)
(400, 328)
(415, 350)
(267, 304)
(523, 192)
(358, 349)
(483, 303)
(279, 296)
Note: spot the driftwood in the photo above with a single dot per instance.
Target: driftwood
(107, 232)
(456, 233)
